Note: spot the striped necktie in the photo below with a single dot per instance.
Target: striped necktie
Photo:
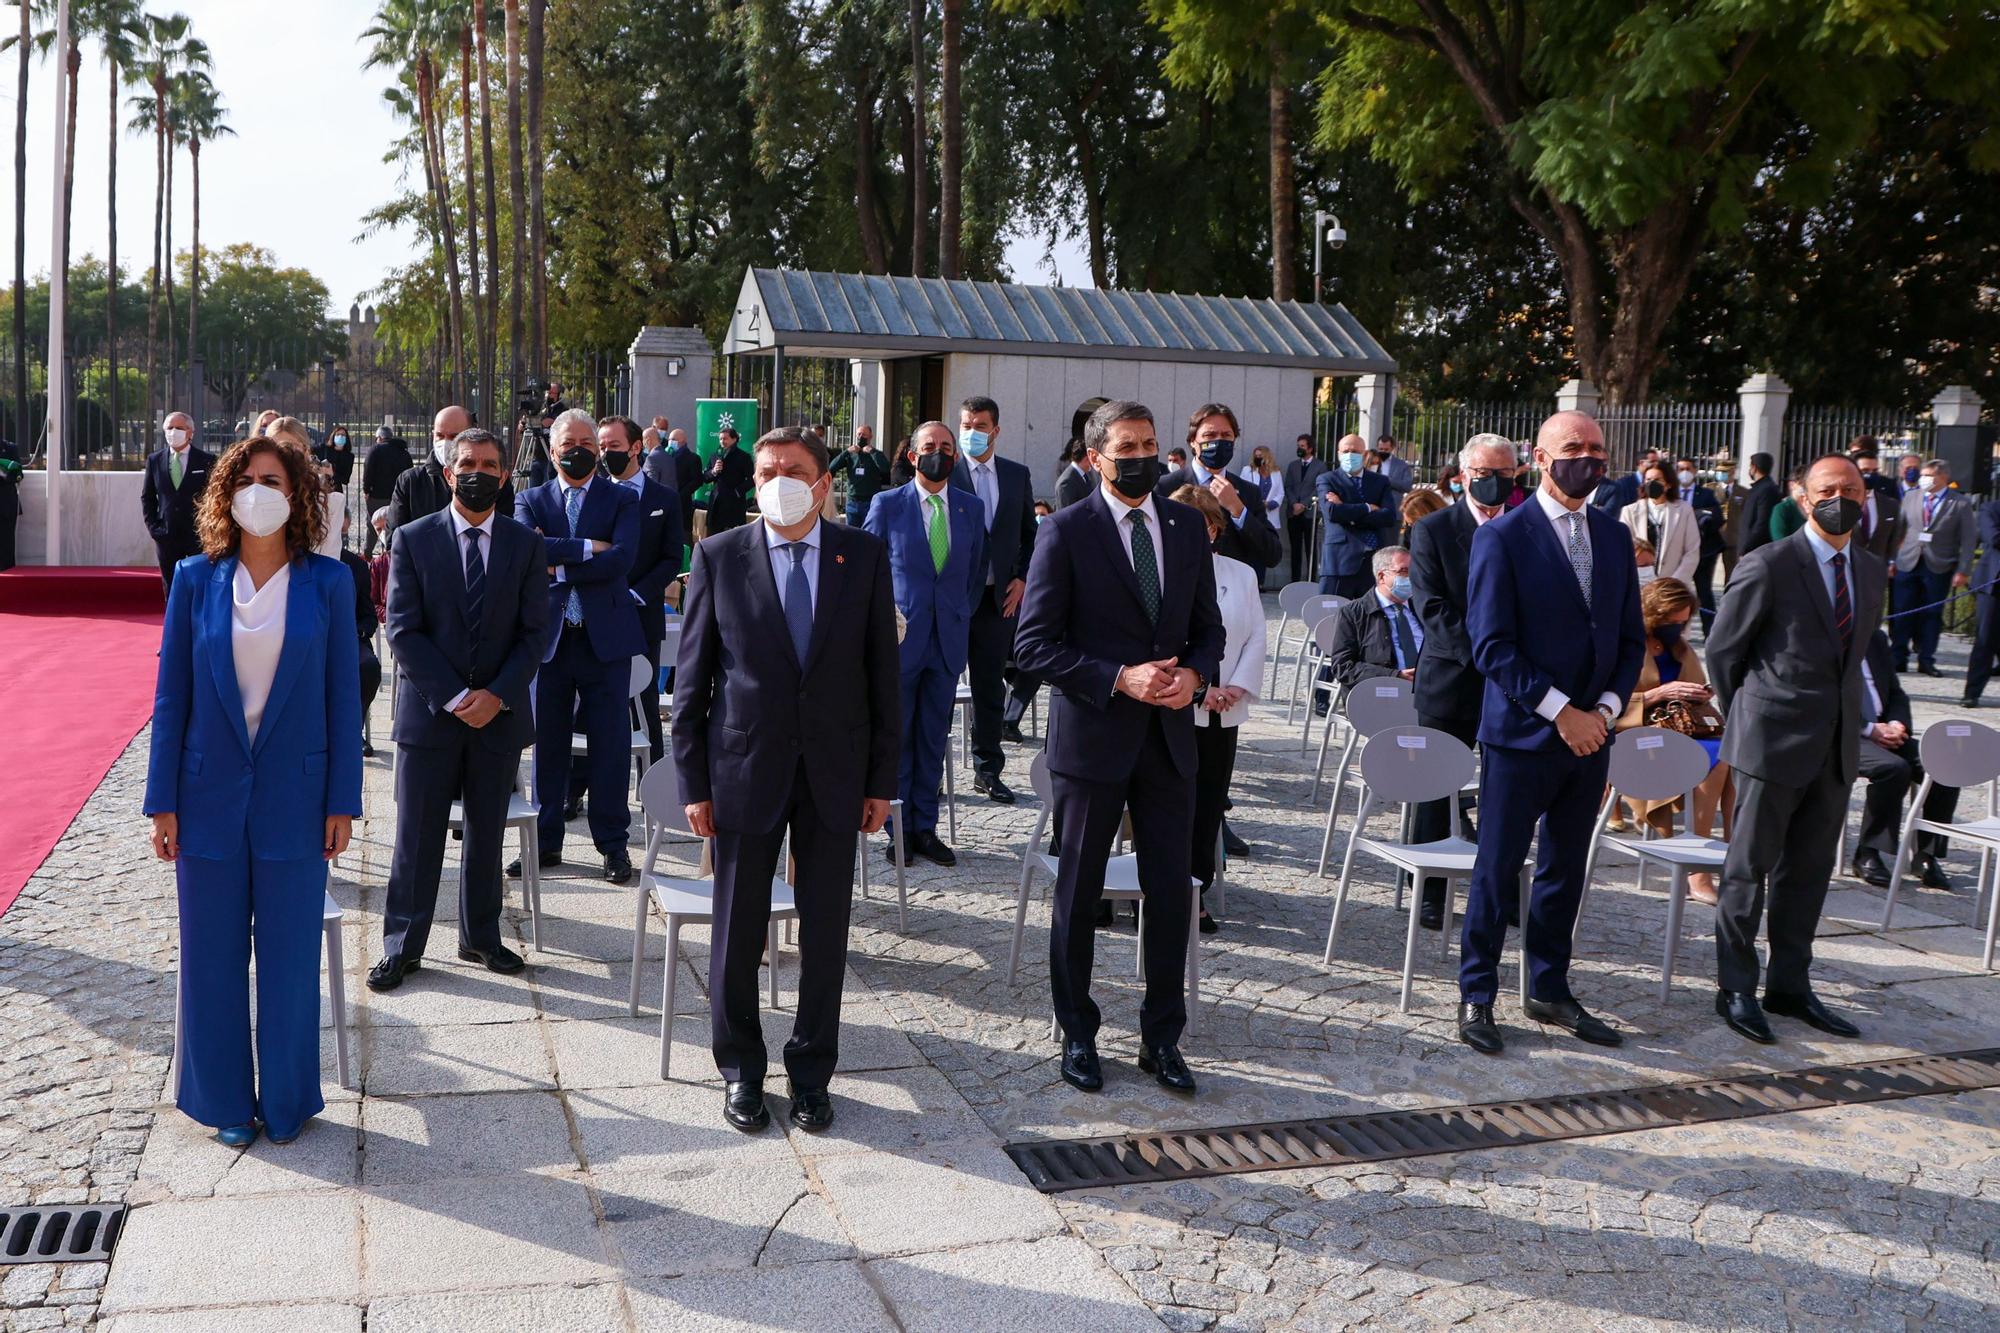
(475, 581)
(1843, 606)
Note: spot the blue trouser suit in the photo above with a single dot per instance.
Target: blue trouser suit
(929, 695)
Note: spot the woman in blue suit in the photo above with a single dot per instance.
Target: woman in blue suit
(253, 784)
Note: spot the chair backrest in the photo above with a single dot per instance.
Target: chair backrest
(1293, 596)
(1654, 764)
(1959, 753)
(1323, 631)
(1379, 702)
(1038, 776)
(642, 676)
(660, 795)
(1319, 607)
(1415, 764)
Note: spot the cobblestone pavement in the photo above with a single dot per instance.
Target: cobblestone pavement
(512, 1157)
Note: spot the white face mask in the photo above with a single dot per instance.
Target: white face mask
(1927, 482)
(176, 438)
(784, 501)
(1646, 575)
(1686, 478)
(444, 451)
(260, 510)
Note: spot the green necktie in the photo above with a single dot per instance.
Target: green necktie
(940, 532)
(1144, 565)
(174, 466)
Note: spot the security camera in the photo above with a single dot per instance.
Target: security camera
(1336, 237)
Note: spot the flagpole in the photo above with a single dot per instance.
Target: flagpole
(58, 361)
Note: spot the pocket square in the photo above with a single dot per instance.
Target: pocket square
(656, 513)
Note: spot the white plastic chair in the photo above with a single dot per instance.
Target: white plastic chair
(1958, 754)
(861, 846)
(1654, 764)
(1374, 704)
(1121, 884)
(524, 817)
(1291, 598)
(1411, 765)
(1315, 609)
(684, 899)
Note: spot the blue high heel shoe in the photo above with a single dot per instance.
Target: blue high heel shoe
(238, 1136)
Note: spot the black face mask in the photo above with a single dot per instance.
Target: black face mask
(615, 461)
(1136, 476)
(936, 466)
(1491, 491)
(578, 463)
(1217, 453)
(1837, 515)
(477, 491)
(1655, 489)
(1305, 453)
(1576, 477)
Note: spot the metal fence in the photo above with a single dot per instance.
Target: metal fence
(1813, 431)
(817, 390)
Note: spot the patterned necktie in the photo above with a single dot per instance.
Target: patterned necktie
(940, 533)
(1406, 646)
(1145, 566)
(1843, 606)
(572, 505)
(176, 466)
(798, 601)
(475, 581)
(1579, 554)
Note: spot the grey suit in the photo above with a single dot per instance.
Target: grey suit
(1399, 474)
(1794, 703)
(1954, 534)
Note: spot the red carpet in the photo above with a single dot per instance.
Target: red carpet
(78, 654)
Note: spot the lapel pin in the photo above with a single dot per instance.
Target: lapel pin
(840, 560)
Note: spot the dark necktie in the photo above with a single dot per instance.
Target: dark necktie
(798, 601)
(1406, 646)
(1843, 606)
(572, 506)
(1145, 565)
(475, 581)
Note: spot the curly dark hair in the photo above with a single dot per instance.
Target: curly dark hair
(215, 522)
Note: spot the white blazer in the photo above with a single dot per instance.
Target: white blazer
(1243, 639)
(1678, 549)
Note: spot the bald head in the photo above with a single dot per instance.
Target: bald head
(1565, 428)
(450, 422)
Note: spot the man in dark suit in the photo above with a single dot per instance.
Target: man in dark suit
(1892, 767)
(1785, 659)
(1211, 433)
(674, 464)
(468, 610)
(729, 476)
(387, 459)
(1552, 605)
(656, 561)
(10, 500)
(1939, 535)
(1378, 634)
(1008, 492)
(1076, 482)
(589, 526)
(1177, 474)
(1302, 476)
(1121, 619)
(1615, 493)
(1986, 621)
(936, 535)
(1881, 527)
(1754, 523)
(427, 488)
(1359, 511)
(170, 496)
(1708, 525)
(1449, 688)
(785, 719)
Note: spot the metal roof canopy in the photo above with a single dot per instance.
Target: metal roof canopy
(873, 317)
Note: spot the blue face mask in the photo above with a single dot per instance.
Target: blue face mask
(1352, 463)
(1217, 453)
(975, 443)
(1400, 589)
(1457, 489)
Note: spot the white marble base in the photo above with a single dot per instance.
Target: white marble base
(100, 520)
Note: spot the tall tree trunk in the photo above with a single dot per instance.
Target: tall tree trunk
(919, 148)
(474, 372)
(517, 195)
(111, 260)
(873, 247)
(167, 258)
(21, 50)
(539, 227)
(487, 354)
(440, 174)
(153, 394)
(194, 248)
(952, 145)
(74, 62)
(1284, 185)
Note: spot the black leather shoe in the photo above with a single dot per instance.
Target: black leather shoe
(1868, 868)
(1208, 924)
(499, 958)
(1574, 1019)
(812, 1111)
(1103, 917)
(547, 861)
(743, 1106)
(1739, 1009)
(1232, 844)
(928, 845)
(1968, 702)
(1806, 1007)
(367, 752)
(1933, 876)
(1011, 733)
(1431, 914)
(573, 810)
(993, 789)
(618, 866)
(1929, 671)
(1477, 1029)
(1081, 1068)
(389, 973)
(1164, 1063)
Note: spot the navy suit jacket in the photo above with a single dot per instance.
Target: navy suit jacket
(937, 605)
(1447, 684)
(170, 512)
(747, 711)
(657, 559)
(1082, 622)
(610, 513)
(268, 798)
(1531, 630)
(1010, 542)
(1354, 531)
(437, 655)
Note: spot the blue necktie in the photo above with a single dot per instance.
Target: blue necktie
(798, 601)
(475, 582)
(572, 504)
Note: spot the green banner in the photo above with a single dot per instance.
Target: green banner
(711, 417)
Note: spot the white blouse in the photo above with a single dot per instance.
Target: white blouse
(257, 636)
(336, 514)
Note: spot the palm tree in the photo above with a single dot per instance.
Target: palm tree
(538, 226)
(487, 355)
(919, 149)
(464, 20)
(118, 24)
(516, 190)
(21, 226)
(165, 52)
(199, 116)
(951, 132)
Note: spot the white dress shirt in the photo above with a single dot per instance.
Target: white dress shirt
(257, 638)
(1480, 518)
(781, 560)
(1242, 640)
(1202, 476)
(1121, 514)
(459, 527)
(1555, 700)
(1823, 552)
(336, 515)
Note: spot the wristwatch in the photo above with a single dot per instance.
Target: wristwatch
(1604, 711)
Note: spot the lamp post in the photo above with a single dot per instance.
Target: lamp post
(58, 362)
(1336, 236)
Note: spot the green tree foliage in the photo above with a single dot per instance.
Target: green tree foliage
(258, 319)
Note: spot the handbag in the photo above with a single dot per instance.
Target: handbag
(1676, 715)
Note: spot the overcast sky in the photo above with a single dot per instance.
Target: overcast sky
(311, 131)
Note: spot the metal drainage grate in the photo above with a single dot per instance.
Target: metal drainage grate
(60, 1233)
(1055, 1165)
